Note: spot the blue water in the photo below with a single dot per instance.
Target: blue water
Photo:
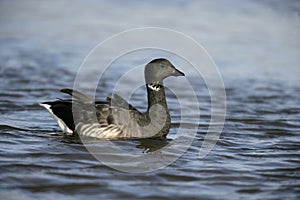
(256, 46)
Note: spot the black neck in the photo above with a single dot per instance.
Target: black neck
(156, 95)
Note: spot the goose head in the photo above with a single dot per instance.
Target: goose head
(159, 69)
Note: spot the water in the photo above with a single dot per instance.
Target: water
(256, 47)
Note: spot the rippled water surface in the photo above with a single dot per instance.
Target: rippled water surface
(256, 47)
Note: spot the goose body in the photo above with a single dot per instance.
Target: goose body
(115, 118)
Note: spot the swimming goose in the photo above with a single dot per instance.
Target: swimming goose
(115, 118)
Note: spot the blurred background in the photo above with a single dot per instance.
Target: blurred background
(255, 44)
(260, 38)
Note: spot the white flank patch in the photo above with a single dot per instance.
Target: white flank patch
(59, 121)
(96, 131)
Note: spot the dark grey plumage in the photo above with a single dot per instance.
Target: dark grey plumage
(115, 118)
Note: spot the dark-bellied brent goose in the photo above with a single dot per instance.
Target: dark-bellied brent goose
(115, 118)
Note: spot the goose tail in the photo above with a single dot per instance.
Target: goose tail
(61, 111)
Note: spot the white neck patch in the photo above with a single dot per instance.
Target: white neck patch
(154, 87)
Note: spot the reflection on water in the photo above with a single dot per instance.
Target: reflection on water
(256, 46)
(151, 145)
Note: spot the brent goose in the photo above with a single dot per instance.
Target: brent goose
(115, 118)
